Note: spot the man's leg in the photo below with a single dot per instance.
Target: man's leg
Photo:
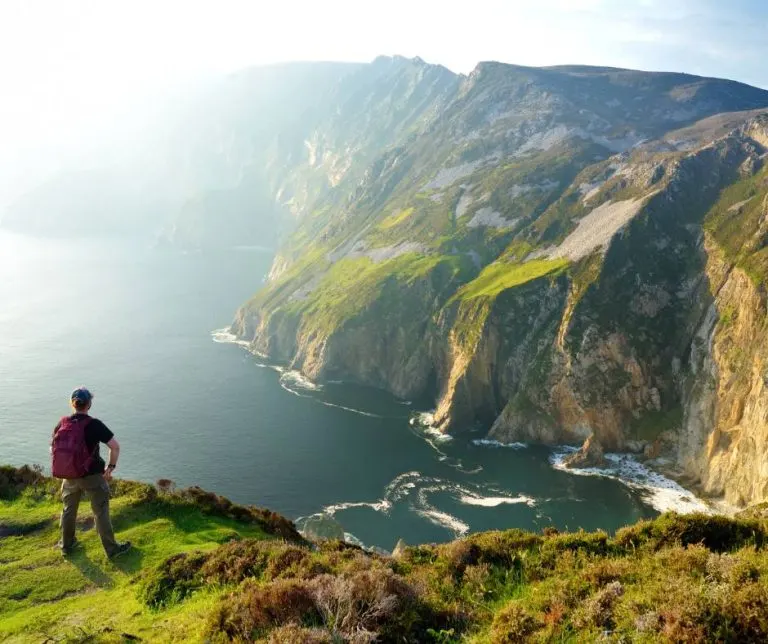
(70, 495)
(98, 493)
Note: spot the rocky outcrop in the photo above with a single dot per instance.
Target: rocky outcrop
(724, 442)
(591, 454)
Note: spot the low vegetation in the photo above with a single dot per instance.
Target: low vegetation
(737, 224)
(351, 286)
(475, 299)
(198, 574)
(501, 276)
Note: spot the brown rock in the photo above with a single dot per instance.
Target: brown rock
(590, 455)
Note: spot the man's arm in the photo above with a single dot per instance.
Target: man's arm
(53, 435)
(114, 453)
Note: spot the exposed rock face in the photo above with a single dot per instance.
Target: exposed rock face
(724, 444)
(623, 306)
(590, 454)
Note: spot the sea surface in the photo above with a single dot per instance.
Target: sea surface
(145, 330)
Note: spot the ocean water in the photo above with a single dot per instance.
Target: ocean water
(143, 328)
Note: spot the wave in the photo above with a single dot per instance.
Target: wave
(495, 501)
(487, 442)
(350, 538)
(225, 336)
(445, 520)
(349, 409)
(292, 381)
(660, 492)
(416, 491)
(298, 379)
(379, 506)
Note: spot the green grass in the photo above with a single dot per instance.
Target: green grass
(475, 299)
(352, 286)
(395, 219)
(197, 574)
(500, 276)
(736, 228)
(43, 595)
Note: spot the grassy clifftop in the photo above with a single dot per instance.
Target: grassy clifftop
(204, 569)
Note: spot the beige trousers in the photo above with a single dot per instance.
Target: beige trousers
(97, 490)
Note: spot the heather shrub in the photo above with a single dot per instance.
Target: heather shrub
(366, 605)
(503, 548)
(238, 560)
(295, 634)
(595, 543)
(288, 561)
(604, 571)
(172, 580)
(745, 614)
(254, 610)
(457, 555)
(14, 480)
(717, 533)
(683, 561)
(513, 624)
(165, 485)
(597, 611)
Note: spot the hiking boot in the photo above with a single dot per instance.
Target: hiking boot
(66, 552)
(122, 548)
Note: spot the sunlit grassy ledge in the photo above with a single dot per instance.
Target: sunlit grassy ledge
(204, 569)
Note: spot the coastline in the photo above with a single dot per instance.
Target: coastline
(658, 486)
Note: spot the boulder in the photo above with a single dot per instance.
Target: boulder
(399, 549)
(590, 455)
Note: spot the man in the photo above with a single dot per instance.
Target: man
(76, 459)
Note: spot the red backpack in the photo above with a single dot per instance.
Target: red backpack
(71, 458)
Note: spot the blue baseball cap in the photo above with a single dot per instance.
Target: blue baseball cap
(81, 394)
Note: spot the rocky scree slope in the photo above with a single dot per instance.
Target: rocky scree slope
(555, 255)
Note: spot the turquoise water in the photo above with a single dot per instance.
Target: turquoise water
(135, 325)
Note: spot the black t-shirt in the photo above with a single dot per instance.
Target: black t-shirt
(95, 432)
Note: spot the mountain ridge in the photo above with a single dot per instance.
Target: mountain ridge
(522, 168)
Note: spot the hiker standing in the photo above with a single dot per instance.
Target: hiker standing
(76, 459)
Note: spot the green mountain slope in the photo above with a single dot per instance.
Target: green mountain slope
(203, 569)
(544, 260)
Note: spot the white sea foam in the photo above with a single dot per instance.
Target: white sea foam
(293, 381)
(350, 409)
(486, 442)
(350, 538)
(495, 501)
(297, 379)
(401, 486)
(424, 422)
(436, 435)
(382, 505)
(445, 520)
(225, 336)
(657, 490)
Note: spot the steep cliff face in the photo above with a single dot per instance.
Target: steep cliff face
(724, 442)
(543, 262)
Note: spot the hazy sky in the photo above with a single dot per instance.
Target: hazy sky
(63, 61)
